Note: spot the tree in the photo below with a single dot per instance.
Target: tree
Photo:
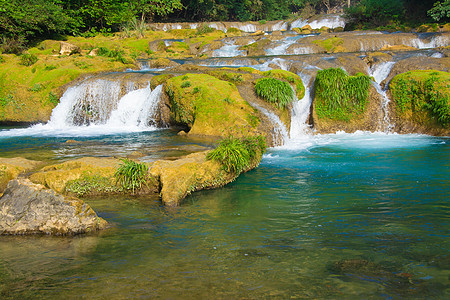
(147, 9)
(440, 10)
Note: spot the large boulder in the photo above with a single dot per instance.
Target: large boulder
(68, 49)
(28, 208)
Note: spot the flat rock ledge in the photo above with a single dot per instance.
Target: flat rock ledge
(28, 208)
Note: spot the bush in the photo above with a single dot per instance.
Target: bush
(274, 91)
(131, 175)
(28, 59)
(236, 155)
(339, 96)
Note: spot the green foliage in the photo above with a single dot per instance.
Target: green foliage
(50, 67)
(415, 96)
(236, 155)
(339, 96)
(92, 184)
(36, 88)
(374, 13)
(185, 84)
(115, 55)
(275, 91)
(440, 10)
(28, 59)
(2, 59)
(53, 99)
(131, 175)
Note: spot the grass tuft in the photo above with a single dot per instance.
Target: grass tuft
(275, 91)
(131, 175)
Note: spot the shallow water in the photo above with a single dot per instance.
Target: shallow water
(361, 216)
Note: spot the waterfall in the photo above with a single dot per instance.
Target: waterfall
(330, 21)
(300, 111)
(94, 107)
(86, 103)
(229, 50)
(281, 49)
(280, 134)
(380, 72)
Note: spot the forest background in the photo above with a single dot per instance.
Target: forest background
(24, 22)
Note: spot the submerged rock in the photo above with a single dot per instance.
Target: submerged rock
(28, 208)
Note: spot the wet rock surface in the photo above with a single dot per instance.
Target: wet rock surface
(28, 208)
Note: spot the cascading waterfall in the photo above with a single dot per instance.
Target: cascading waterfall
(281, 49)
(280, 134)
(134, 112)
(380, 72)
(300, 111)
(229, 50)
(330, 21)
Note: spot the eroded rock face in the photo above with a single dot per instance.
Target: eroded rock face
(28, 208)
(10, 168)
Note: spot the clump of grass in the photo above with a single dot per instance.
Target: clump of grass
(50, 67)
(28, 59)
(2, 59)
(274, 91)
(115, 55)
(91, 184)
(36, 88)
(236, 154)
(53, 99)
(340, 96)
(131, 175)
(186, 84)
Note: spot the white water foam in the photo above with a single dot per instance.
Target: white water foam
(134, 113)
(280, 134)
(300, 112)
(229, 50)
(330, 21)
(281, 49)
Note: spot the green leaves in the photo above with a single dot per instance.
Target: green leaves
(131, 175)
(235, 154)
(275, 91)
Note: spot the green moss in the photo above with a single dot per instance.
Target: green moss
(423, 96)
(208, 106)
(329, 44)
(92, 185)
(339, 96)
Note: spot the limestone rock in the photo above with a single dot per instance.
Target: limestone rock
(68, 49)
(10, 168)
(258, 32)
(157, 45)
(93, 52)
(28, 208)
(188, 174)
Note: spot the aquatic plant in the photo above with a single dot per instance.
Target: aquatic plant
(91, 184)
(340, 96)
(131, 175)
(274, 91)
(236, 154)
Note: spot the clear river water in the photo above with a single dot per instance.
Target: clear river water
(340, 216)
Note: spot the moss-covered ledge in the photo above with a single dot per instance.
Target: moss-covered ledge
(421, 102)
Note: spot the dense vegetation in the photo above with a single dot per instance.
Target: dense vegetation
(22, 22)
(340, 96)
(237, 155)
(421, 93)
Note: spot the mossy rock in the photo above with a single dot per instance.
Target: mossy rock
(57, 176)
(421, 102)
(330, 44)
(293, 79)
(159, 79)
(209, 106)
(231, 75)
(256, 48)
(10, 168)
(428, 28)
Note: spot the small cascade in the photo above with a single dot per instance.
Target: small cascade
(266, 66)
(281, 49)
(137, 109)
(94, 107)
(86, 103)
(380, 72)
(330, 21)
(300, 111)
(229, 50)
(280, 134)
(427, 43)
